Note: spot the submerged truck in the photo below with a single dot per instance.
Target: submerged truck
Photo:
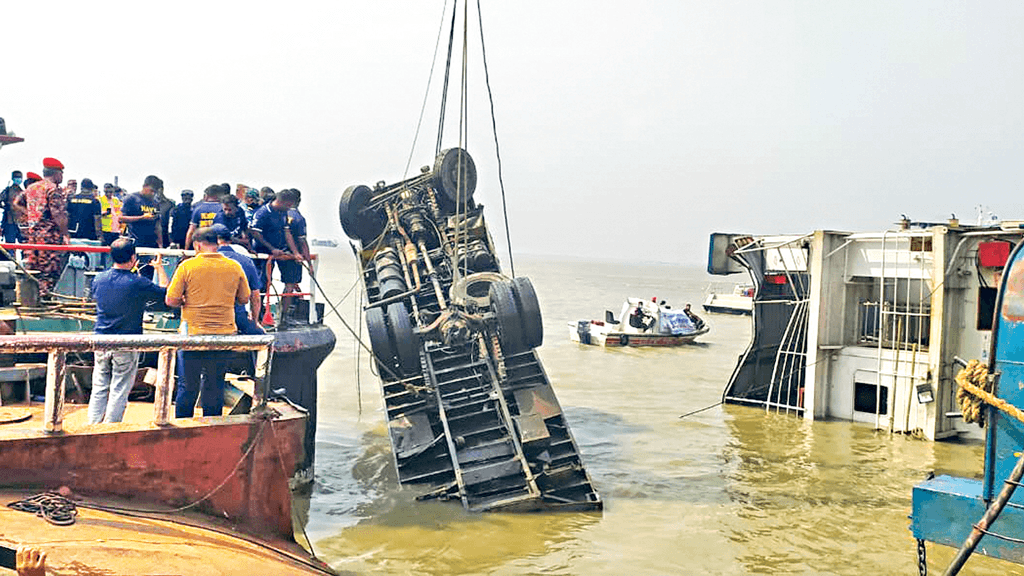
(471, 412)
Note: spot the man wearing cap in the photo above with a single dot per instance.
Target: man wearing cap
(84, 212)
(142, 214)
(246, 321)
(181, 216)
(44, 212)
(206, 287)
(8, 217)
(110, 215)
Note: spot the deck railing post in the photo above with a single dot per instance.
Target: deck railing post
(56, 370)
(261, 388)
(162, 400)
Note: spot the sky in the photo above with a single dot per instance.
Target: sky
(625, 130)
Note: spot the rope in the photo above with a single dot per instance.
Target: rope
(50, 506)
(252, 446)
(497, 151)
(346, 324)
(976, 388)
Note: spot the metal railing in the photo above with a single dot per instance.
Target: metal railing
(57, 346)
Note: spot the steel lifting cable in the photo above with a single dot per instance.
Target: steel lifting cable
(426, 93)
(461, 200)
(497, 151)
(447, 73)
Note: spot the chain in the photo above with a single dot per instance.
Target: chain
(922, 560)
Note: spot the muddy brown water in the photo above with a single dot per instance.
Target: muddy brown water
(731, 490)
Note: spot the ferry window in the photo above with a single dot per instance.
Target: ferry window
(864, 396)
(920, 243)
(986, 306)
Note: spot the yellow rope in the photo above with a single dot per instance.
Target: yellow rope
(975, 389)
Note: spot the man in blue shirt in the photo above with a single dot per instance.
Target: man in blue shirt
(142, 214)
(84, 213)
(271, 235)
(232, 218)
(121, 299)
(247, 321)
(204, 213)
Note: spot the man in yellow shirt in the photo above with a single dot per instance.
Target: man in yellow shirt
(206, 287)
(110, 210)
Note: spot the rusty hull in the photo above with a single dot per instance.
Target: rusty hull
(240, 464)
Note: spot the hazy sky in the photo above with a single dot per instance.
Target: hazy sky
(625, 128)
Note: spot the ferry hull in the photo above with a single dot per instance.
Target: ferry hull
(254, 456)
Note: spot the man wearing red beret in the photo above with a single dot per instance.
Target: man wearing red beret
(44, 215)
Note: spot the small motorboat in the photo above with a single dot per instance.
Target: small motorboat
(740, 301)
(640, 323)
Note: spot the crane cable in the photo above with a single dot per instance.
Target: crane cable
(497, 151)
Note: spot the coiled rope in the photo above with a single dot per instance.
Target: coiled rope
(975, 388)
(50, 506)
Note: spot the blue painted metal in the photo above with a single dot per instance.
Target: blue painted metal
(945, 508)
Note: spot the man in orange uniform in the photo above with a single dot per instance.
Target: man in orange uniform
(44, 212)
(206, 288)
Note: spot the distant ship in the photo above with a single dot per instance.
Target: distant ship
(330, 243)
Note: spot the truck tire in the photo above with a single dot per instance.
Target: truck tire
(529, 312)
(379, 341)
(406, 343)
(447, 179)
(358, 222)
(510, 325)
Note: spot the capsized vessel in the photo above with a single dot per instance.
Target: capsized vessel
(471, 412)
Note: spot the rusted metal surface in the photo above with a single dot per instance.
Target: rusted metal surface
(141, 342)
(234, 467)
(112, 544)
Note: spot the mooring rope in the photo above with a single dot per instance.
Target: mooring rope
(975, 388)
(50, 506)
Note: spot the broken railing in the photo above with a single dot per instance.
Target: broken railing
(57, 346)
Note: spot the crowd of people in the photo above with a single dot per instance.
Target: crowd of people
(217, 289)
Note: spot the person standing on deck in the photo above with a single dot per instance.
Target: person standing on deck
(84, 213)
(206, 287)
(232, 218)
(44, 208)
(164, 205)
(142, 214)
(247, 322)
(8, 219)
(271, 235)
(110, 215)
(121, 299)
(204, 212)
(181, 217)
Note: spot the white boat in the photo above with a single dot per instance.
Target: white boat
(640, 323)
(740, 301)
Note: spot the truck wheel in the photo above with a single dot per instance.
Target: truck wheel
(379, 341)
(474, 290)
(358, 222)
(406, 343)
(529, 311)
(510, 325)
(447, 179)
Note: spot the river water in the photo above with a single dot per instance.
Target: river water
(730, 490)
